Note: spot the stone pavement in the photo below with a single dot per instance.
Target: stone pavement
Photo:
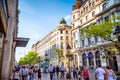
(46, 76)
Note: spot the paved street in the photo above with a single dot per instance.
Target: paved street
(45, 76)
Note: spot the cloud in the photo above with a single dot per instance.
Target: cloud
(68, 17)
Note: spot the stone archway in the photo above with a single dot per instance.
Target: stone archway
(113, 61)
(97, 58)
(84, 59)
(90, 60)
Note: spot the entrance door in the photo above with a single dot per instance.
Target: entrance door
(97, 58)
(84, 59)
(90, 59)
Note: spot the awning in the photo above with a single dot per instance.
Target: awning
(21, 42)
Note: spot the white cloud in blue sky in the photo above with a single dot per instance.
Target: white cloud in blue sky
(40, 17)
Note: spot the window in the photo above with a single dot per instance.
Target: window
(4, 2)
(67, 38)
(86, 17)
(87, 8)
(93, 3)
(61, 32)
(106, 18)
(104, 6)
(66, 32)
(61, 38)
(96, 39)
(89, 41)
(83, 43)
(81, 21)
(73, 25)
(81, 12)
(73, 16)
(93, 13)
(61, 45)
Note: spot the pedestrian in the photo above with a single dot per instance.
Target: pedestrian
(57, 71)
(75, 72)
(39, 74)
(81, 75)
(99, 73)
(24, 73)
(51, 72)
(86, 74)
(54, 70)
(31, 73)
(16, 75)
(62, 69)
(110, 75)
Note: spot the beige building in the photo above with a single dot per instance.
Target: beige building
(89, 51)
(58, 39)
(9, 15)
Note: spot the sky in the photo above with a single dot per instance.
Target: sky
(38, 18)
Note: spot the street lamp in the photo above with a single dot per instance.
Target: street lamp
(39, 61)
(68, 48)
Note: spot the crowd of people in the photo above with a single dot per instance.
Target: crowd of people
(26, 72)
(56, 72)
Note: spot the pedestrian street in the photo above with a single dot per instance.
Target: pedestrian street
(46, 76)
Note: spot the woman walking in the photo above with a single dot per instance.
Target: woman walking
(110, 75)
(39, 74)
(86, 74)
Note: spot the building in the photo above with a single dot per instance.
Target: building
(84, 14)
(9, 15)
(58, 39)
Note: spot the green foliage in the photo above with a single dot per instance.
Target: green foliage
(59, 52)
(30, 58)
(103, 30)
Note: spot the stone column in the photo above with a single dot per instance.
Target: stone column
(12, 5)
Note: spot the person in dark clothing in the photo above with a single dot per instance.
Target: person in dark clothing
(57, 71)
(39, 74)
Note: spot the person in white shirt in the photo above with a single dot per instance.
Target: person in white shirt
(99, 73)
(51, 72)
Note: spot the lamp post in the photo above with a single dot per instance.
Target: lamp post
(39, 61)
(68, 48)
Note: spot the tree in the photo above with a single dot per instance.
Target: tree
(60, 54)
(104, 30)
(30, 58)
(22, 61)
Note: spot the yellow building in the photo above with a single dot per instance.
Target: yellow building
(83, 15)
(58, 39)
(8, 37)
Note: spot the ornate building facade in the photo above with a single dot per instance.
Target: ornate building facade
(90, 51)
(9, 15)
(58, 39)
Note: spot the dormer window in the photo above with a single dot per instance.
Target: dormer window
(81, 21)
(86, 17)
(93, 3)
(86, 7)
(93, 13)
(73, 16)
(81, 12)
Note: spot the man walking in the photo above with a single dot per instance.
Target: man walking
(99, 73)
(51, 71)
